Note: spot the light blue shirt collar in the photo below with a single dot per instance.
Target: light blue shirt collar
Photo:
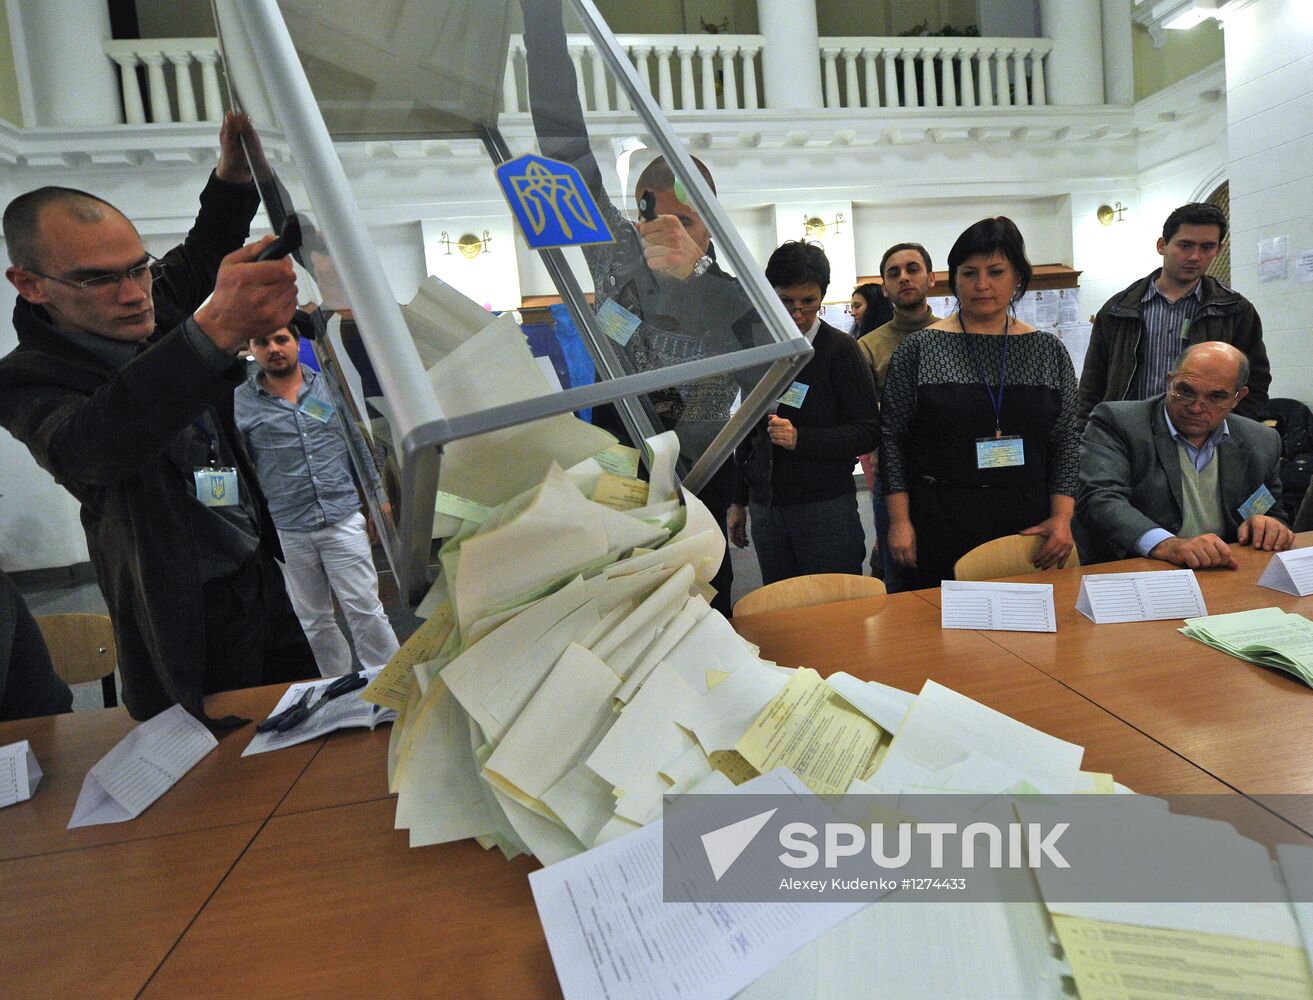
(1202, 455)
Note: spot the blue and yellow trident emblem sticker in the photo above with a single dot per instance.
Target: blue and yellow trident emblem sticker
(552, 203)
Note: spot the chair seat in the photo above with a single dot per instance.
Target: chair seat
(82, 649)
(804, 591)
(1011, 555)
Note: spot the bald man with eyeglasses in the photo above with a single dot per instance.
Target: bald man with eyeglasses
(1179, 476)
(121, 387)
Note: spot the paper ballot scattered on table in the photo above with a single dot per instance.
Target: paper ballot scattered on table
(19, 773)
(1140, 597)
(611, 934)
(1290, 572)
(143, 766)
(1006, 607)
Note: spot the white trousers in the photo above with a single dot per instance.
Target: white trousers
(337, 560)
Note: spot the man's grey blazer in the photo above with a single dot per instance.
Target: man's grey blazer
(1130, 476)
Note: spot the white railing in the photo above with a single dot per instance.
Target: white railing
(725, 77)
(683, 72)
(934, 72)
(174, 68)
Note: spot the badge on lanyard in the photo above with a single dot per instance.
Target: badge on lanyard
(795, 395)
(320, 409)
(1259, 502)
(217, 487)
(1000, 452)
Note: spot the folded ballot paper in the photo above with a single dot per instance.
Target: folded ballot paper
(1268, 637)
(19, 773)
(143, 766)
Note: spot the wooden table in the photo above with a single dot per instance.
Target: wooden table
(281, 874)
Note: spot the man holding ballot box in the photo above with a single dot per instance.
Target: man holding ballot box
(1179, 476)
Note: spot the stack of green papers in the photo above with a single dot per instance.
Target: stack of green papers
(1267, 636)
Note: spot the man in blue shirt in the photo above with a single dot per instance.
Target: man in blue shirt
(300, 453)
(1179, 476)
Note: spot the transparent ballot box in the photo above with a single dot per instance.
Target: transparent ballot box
(529, 114)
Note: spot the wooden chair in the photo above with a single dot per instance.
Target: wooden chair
(82, 649)
(804, 591)
(1011, 555)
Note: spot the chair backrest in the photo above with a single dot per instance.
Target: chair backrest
(1011, 555)
(81, 646)
(802, 591)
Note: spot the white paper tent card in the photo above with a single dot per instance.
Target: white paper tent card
(1005, 607)
(1290, 572)
(1140, 597)
(19, 773)
(143, 766)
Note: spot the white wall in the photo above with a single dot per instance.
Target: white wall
(1269, 69)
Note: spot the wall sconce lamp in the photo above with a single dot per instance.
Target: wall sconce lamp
(1108, 214)
(469, 245)
(814, 228)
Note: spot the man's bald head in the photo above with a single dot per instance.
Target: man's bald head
(22, 219)
(1214, 361)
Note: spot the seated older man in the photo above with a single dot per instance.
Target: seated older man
(1179, 476)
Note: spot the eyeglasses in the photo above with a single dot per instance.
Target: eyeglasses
(1185, 394)
(806, 307)
(141, 275)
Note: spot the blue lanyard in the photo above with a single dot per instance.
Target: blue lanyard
(995, 400)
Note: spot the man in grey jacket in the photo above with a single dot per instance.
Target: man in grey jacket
(1139, 331)
(1179, 477)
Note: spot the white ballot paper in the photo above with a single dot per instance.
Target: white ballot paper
(143, 766)
(1140, 597)
(1006, 607)
(612, 935)
(19, 773)
(345, 712)
(1290, 572)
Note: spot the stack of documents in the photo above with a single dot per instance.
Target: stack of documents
(1267, 636)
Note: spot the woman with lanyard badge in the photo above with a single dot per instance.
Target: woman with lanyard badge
(979, 414)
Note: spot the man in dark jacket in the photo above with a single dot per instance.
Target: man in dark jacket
(122, 388)
(1140, 331)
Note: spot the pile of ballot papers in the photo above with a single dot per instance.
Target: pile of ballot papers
(1268, 637)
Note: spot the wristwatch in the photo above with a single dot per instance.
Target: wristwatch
(702, 265)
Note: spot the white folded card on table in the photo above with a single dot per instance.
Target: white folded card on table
(1140, 597)
(1007, 607)
(19, 773)
(1290, 572)
(143, 766)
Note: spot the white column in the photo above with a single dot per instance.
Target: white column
(829, 57)
(707, 59)
(986, 80)
(72, 80)
(1021, 97)
(577, 57)
(852, 96)
(510, 93)
(1038, 63)
(908, 58)
(929, 73)
(1002, 88)
(601, 102)
(750, 102)
(666, 90)
(949, 99)
(210, 85)
(890, 57)
(688, 98)
(160, 111)
(731, 91)
(134, 111)
(1118, 71)
(791, 69)
(872, 84)
(182, 82)
(1077, 34)
(968, 81)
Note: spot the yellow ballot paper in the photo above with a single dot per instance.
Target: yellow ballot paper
(1116, 961)
(811, 730)
(391, 688)
(620, 492)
